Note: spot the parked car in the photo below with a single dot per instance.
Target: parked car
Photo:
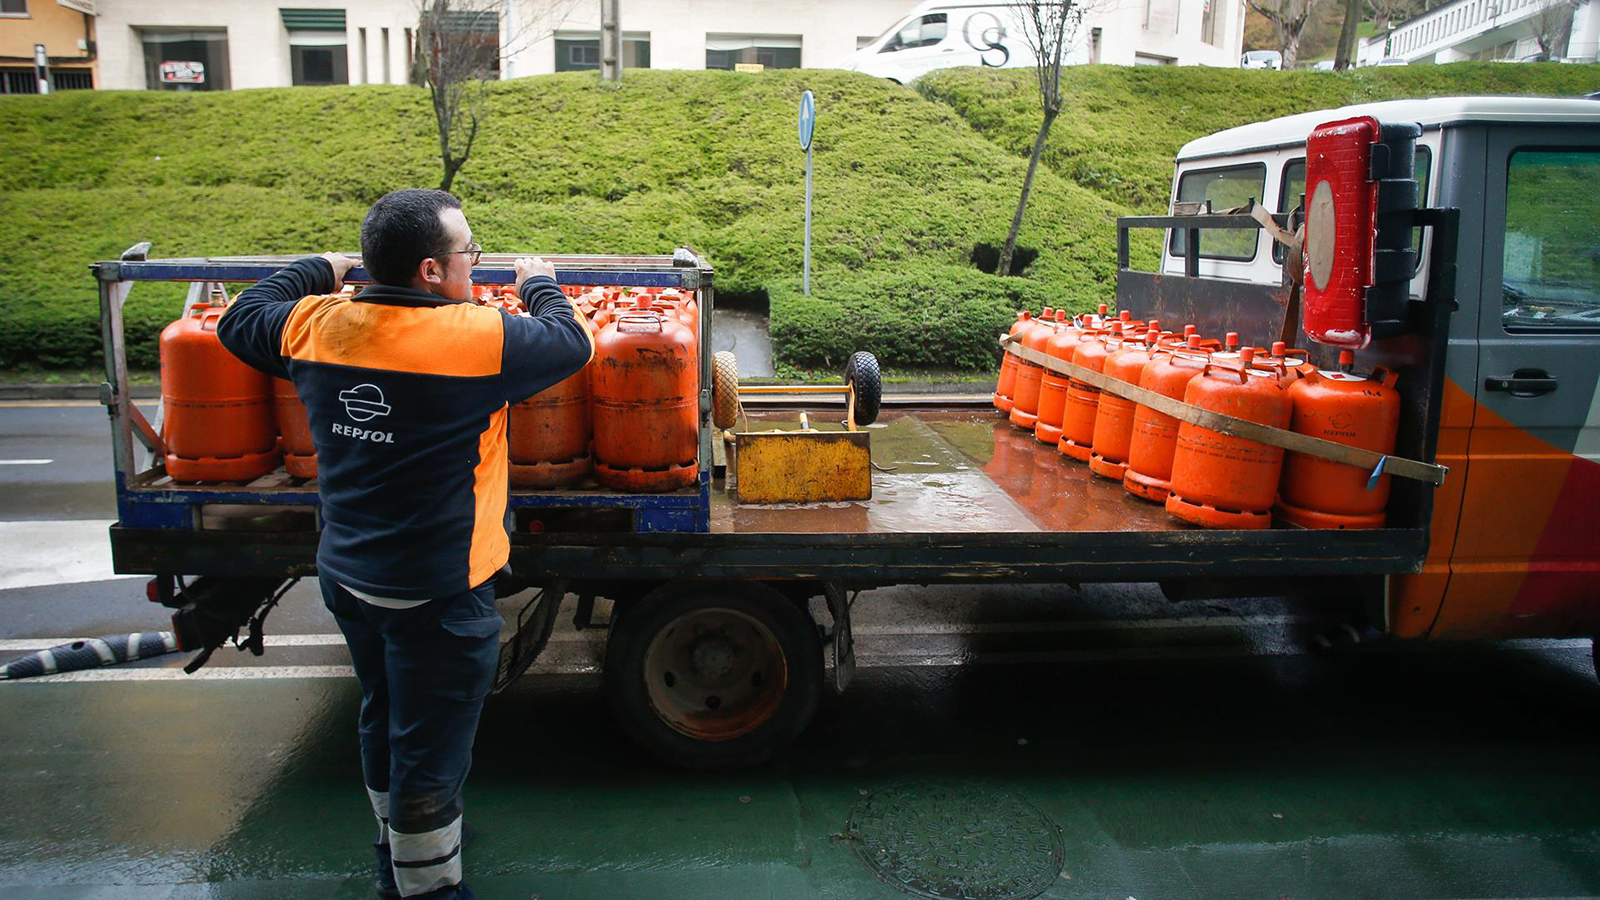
(1323, 65)
(1392, 61)
(1261, 59)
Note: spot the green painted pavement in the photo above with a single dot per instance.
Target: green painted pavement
(1468, 773)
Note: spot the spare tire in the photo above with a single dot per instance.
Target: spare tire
(724, 389)
(861, 373)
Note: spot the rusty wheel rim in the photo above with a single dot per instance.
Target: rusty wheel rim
(715, 674)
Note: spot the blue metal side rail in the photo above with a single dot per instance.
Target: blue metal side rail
(146, 499)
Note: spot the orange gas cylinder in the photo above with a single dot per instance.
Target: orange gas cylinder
(1053, 385)
(1221, 481)
(217, 412)
(683, 302)
(1295, 362)
(1359, 410)
(1083, 400)
(644, 385)
(1113, 418)
(1025, 398)
(549, 435)
(299, 453)
(1008, 365)
(1155, 435)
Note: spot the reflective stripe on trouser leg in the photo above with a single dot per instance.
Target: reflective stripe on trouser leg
(427, 861)
(380, 809)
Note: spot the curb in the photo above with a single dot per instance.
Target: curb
(71, 391)
(28, 391)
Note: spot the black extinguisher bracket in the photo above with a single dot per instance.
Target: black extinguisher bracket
(1394, 258)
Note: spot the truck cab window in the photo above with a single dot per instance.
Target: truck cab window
(924, 31)
(1226, 188)
(1551, 262)
(1294, 188)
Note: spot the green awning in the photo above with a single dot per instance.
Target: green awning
(313, 19)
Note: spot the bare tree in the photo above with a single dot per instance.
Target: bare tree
(1344, 54)
(1049, 28)
(1551, 24)
(459, 49)
(1289, 19)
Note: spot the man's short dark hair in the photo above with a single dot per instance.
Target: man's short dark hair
(401, 230)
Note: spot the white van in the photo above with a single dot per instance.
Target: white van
(1261, 59)
(939, 34)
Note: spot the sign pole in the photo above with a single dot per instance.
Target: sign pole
(805, 281)
(808, 121)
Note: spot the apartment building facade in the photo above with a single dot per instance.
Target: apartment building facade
(235, 44)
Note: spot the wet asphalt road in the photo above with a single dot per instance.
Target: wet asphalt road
(1184, 751)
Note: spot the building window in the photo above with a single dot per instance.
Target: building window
(862, 41)
(322, 62)
(185, 60)
(319, 51)
(1210, 23)
(580, 51)
(383, 47)
(361, 41)
(1161, 16)
(13, 8)
(71, 80)
(18, 81)
(1148, 59)
(725, 51)
(413, 75)
(475, 33)
(1095, 37)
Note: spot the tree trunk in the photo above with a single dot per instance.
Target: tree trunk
(1010, 248)
(1344, 57)
(1291, 48)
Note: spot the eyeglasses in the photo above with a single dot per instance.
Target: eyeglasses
(474, 249)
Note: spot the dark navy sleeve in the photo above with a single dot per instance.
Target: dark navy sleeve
(547, 345)
(252, 328)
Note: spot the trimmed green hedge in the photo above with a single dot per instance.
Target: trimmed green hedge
(1122, 126)
(565, 164)
(939, 316)
(907, 183)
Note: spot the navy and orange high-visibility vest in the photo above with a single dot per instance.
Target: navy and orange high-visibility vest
(407, 395)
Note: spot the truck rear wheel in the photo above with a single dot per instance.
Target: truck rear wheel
(712, 675)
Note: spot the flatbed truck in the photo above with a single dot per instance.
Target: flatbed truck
(717, 655)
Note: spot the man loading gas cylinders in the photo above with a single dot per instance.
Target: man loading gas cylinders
(407, 386)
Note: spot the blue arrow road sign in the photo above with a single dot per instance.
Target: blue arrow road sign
(808, 119)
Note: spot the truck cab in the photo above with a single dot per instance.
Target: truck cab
(1514, 545)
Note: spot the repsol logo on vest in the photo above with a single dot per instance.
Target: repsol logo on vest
(364, 434)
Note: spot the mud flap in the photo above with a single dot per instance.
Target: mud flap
(534, 624)
(844, 647)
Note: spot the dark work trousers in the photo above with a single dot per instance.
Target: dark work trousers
(424, 671)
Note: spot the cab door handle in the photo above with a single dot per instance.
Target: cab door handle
(1522, 383)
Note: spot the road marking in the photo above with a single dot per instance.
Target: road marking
(222, 672)
(26, 462)
(597, 635)
(49, 404)
(1091, 625)
(55, 552)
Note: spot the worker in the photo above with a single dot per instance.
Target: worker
(407, 385)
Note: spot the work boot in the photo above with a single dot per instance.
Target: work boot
(385, 885)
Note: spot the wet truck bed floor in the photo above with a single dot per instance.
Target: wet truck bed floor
(953, 471)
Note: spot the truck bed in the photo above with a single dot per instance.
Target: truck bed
(966, 497)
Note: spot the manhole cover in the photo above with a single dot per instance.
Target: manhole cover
(954, 840)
